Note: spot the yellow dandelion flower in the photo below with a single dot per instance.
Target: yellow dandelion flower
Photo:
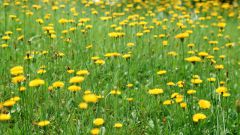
(98, 121)
(18, 79)
(118, 125)
(199, 116)
(155, 91)
(5, 117)
(16, 70)
(115, 92)
(9, 103)
(43, 123)
(74, 88)
(76, 79)
(36, 82)
(95, 131)
(190, 92)
(22, 88)
(221, 90)
(161, 72)
(58, 84)
(193, 59)
(90, 98)
(82, 72)
(168, 102)
(204, 104)
(183, 105)
(83, 105)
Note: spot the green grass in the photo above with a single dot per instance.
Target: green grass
(146, 114)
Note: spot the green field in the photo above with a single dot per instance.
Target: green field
(164, 67)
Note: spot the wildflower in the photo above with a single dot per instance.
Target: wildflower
(115, 92)
(4, 45)
(211, 79)
(5, 117)
(170, 83)
(221, 25)
(40, 21)
(219, 67)
(196, 81)
(16, 70)
(76, 79)
(226, 94)
(126, 56)
(74, 88)
(9, 103)
(203, 54)
(41, 71)
(58, 84)
(43, 123)
(174, 95)
(168, 102)
(165, 43)
(204, 104)
(183, 105)
(180, 84)
(129, 99)
(16, 98)
(95, 131)
(90, 98)
(22, 88)
(98, 121)
(221, 90)
(130, 85)
(193, 59)
(5, 38)
(82, 72)
(130, 44)
(161, 72)
(70, 71)
(18, 79)
(190, 92)
(118, 125)
(179, 98)
(114, 54)
(87, 92)
(182, 36)
(155, 91)
(139, 34)
(83, 105)
(50, 88)
(199, 116)
(100, 62)
(36, 83)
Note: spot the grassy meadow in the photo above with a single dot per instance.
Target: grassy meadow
(77, 67)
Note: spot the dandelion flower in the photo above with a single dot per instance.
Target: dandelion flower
(5, 117)
(76, 79)
(98, 121)
(43, 123)
(199, 116)
(155, 91)
(204, 104)
(74, 88)
(95, 131)
(58, 84)
(118, 125)
(36, 82)
(16, 70)
(90, 98)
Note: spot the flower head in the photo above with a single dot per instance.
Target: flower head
(98, 121)
(199, 116)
